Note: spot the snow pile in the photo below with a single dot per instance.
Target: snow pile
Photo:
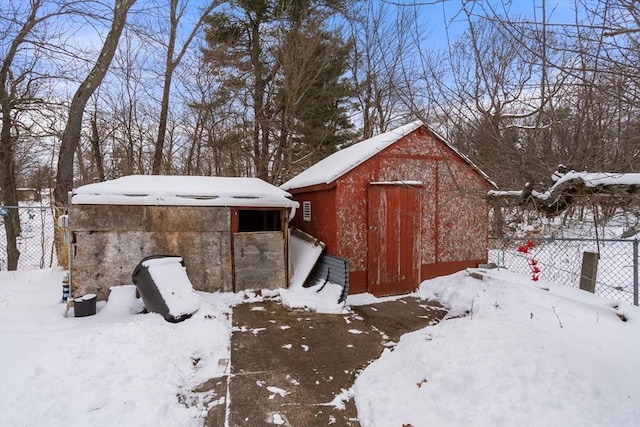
(321, 297)
(114, 368)
(171, 279)
(525, 353)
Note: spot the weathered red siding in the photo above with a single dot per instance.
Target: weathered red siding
(323, 216)
(463, 223)
(454, 220)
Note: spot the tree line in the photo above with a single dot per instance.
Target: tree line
(92, 90)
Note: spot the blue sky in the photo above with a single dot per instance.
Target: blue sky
(446, 20)
(445, 16)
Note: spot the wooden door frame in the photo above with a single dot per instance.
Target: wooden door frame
(373, 240)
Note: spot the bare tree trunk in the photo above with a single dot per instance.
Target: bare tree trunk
(8, 192)
(95, 149)
(376, 58)
(171, 64)
(164, 109)
(261, 126)
(8, 95)
(73, 128)
(84, 177)
(193, 156)
(497, 221)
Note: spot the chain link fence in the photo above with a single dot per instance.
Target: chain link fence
(35, 242)
(559, 260)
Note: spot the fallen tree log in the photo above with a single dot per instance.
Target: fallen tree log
(604, 189)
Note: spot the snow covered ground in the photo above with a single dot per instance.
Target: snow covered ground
(114, 368)
(511, 352)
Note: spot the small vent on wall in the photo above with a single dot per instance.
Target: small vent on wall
(306, 211)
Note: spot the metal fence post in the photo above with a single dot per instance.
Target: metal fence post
(635, 272)
(589, 272)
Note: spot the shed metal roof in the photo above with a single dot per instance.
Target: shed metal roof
(174, 190)
(339, 163)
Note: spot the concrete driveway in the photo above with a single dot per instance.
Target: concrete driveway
(288, 366)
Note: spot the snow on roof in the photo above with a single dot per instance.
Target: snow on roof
(183, 191)
(333, 167)
(341, 162)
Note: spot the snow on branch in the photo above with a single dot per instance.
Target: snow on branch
(568, 189)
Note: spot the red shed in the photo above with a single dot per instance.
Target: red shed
(401, 207)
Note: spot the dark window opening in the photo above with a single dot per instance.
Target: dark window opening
(259, 220)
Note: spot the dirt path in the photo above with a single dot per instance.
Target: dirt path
(287, 366)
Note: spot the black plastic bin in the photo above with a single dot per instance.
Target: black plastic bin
(151, 295)
(85, 305)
